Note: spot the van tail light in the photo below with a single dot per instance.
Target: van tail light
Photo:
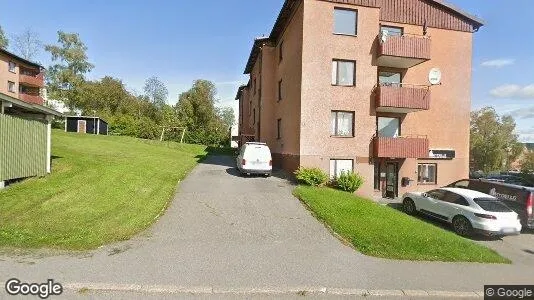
(484, 216)
(270, 163)
(244, 162)
(530, 204)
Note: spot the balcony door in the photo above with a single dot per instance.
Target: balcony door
(386, 78)
(388, 127)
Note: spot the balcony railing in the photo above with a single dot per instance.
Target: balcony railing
(35, 99)
(402, 98)
(401, 147)
(404, 51)
(32, 80)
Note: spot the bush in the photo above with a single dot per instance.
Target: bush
(349, 182)
(311, 176)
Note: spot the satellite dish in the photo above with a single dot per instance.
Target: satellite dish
(434, 76)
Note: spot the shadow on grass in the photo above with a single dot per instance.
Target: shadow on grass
(443, 225)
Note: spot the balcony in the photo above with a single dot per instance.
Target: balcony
(403, 51)
(402, 98)
(35, 99)
(32, 80)
(401, 147)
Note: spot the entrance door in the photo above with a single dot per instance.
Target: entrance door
(392, 180)
(82, 126)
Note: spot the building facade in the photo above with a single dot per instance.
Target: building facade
(378, 87)
(25, 124)
(21, 78)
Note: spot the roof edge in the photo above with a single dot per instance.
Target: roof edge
(30, 106)
(28, 62)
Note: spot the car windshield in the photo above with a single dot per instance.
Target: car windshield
(492, 205)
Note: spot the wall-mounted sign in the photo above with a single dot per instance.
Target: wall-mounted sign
(442, 154)
(434, 76)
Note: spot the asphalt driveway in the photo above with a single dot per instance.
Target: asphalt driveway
(224, 232)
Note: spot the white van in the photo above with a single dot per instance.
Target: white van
(255, 158)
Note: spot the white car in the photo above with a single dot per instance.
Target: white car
(255, 158)
(468, 211)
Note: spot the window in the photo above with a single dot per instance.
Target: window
(249, 107)
(343, 72)
(345, 21)
(342, 123)
(279, 128)
(436, 194)
(340, 165)
(389, 78)
(281, 51)
(455, 198)
(11, 86)
(463, 184)
(427, 173)
(388, 127)
(12, 67)
(391, 31)
(280, 90)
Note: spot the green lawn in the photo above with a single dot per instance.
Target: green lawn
(382, 231)
(102, 189)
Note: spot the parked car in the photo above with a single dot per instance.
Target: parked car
(519, 198)
(468, 211)
(255, 158)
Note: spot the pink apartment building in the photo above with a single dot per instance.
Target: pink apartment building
(378, 87)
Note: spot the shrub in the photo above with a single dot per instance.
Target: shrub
(311, 176)
(349, 182)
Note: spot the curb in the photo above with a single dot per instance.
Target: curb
(210, 290)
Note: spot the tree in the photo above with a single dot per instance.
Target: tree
(156, 91)
(227, 116)
(527, 165)
(196, 111)
(67, 75)
(4, 42)
(27, 44)
(494, 143)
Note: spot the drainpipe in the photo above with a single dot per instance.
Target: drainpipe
(260, 92)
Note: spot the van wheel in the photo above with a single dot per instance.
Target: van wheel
(462, 226)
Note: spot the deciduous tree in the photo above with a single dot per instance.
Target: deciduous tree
(494, 143)
(4, 42)
(27, 44)
(66, 77)
(156, 91)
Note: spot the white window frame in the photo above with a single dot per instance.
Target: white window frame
(12, 67)
(427, 165)
(355, 21)
(335, 72)
(11, 87)
(334, 168)
(334, 130)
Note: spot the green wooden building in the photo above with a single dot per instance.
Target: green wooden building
(25, 139)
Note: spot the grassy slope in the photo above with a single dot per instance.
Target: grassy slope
(384, 232)
(101, 189)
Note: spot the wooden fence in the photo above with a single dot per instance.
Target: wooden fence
(22, 148)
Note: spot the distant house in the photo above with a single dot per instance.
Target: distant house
(85, 124)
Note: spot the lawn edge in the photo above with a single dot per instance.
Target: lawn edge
(346, 242)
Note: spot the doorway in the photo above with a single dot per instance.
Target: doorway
(82, 126)
(392, 180)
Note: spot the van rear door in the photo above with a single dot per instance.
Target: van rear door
(259, 157)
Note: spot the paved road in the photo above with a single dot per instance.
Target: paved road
(224, 231)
